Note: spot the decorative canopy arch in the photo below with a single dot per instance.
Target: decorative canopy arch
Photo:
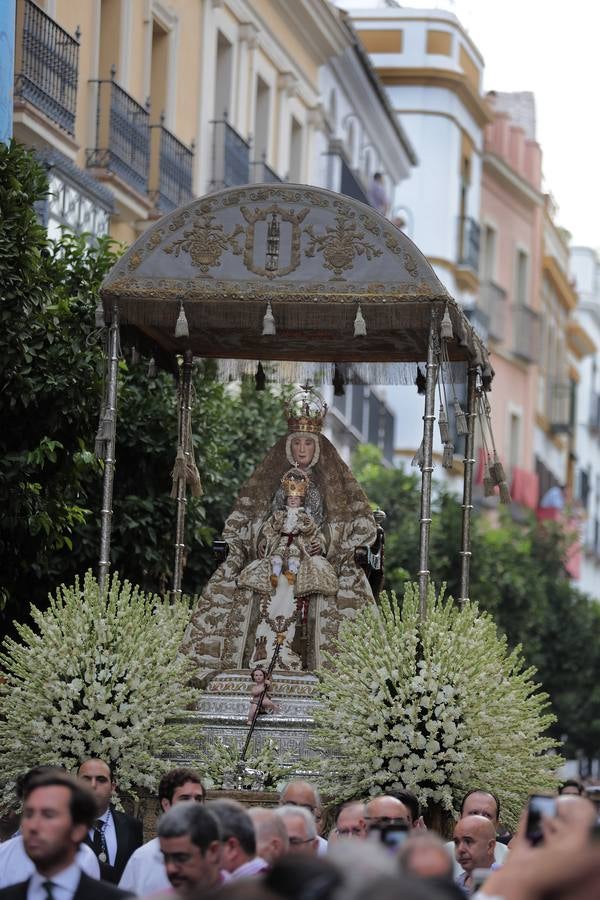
(314, 255)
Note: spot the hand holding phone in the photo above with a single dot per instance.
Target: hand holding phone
(540, 806)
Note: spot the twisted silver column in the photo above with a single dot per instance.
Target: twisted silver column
(185, 414)
(433, 356)
(467, 504)
(112, 363)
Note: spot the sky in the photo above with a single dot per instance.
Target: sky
(550, 48)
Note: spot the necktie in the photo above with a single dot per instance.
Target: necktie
(99, 841)
(47, 885)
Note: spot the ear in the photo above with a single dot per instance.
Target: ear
(79, 833)
(165, 804)
(213, 853)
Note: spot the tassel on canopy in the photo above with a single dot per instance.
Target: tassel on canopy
(419, 457)
(504, 493)
(460, 418)
(99, 315)
(421, 381)
(260, 379)
(446, 332)
(443, 423)
(181, 327)
(338, 382)
(152, 370)
(269, 322)
(448, 455)
(360, 326)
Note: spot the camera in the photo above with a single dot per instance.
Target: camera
(393, 836)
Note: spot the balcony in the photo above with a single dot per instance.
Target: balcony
(350, 185)
(492, 299)
(525, 333)
(171, 170)
(46, 66)
(559, 412)
(264, 174)
(468, 243)
(122, 136)
(231, 156)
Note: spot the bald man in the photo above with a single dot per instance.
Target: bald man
(474, 844)
(351, 822)
(387, 810)
(271, 835)
(578, 812)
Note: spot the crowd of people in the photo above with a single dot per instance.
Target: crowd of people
(73, 844)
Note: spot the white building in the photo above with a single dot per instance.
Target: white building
(433, 75)
(585, 268)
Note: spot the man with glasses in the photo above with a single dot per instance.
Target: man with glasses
(351, 820)
(386, 810)
(301, 829)
(238, 841)
(190, 844)
(303, 795)
(145, 872)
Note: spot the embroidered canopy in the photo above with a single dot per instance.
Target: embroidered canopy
(315, 256)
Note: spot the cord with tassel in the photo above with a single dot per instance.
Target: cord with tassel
(182, 328)
(360, 326)
(269, 322)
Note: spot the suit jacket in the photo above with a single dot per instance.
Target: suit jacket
(129, 837)
(88, 889)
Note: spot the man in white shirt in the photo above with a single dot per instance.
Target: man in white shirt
(145, 872)
(57, 811)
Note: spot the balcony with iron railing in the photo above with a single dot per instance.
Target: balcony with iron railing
(171, 169)
(122, 135)
(525, 329)
(231, 156)
(560, 406)
(468, 243)
(492, 299)
(263, 173)
(46, 66)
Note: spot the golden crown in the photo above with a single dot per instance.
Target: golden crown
(295, 483)
(305, 411)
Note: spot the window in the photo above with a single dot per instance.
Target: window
(488, 257)
(514, 440)
(521, 277)
(224, 68)
(261, 120)
(159, 70)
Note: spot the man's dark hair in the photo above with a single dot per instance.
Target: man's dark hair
(23, 780)
(191, 819)
(571, 782)
(177, 778)
(410, 801)
(297, 877)
(82, 805)
(480, 791)
(105, 762)
(377, 176)
(235, 822)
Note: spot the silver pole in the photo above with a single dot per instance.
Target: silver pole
(467, 504)
(185, 413)
(426, 472)
(112, 363)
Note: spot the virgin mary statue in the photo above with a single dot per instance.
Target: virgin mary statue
(238, 617)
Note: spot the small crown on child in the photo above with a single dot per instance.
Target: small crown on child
(295, 483)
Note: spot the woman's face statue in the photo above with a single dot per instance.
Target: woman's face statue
(258, 676)
(303, 450)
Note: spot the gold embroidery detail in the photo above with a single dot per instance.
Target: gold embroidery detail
(340, 245)
(205, 242)
(277, 213)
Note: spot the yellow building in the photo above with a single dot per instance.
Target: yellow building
(136, 106)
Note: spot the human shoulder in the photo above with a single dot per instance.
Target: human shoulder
(15, 891)
(90, 889)
(123, 820)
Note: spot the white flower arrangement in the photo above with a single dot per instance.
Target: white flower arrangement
(438, 706)
(99, 674)
(263, 769)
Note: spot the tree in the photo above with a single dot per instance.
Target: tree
(51, 371)
(517, 575)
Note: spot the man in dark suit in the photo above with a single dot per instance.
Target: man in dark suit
(57, 812)
(114, 835)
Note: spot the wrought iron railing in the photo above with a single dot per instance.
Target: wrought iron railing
(263, 173)
(560, 407)
(46, 66)
(231, 156)
(350, 185)
(122, 135)
(468, 242)
(172, 165)
(525, 330)
(493, 302)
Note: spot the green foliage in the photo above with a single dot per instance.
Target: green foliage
(434, 706)
(51, 372)
(263, 769)
(517, 575)
(98, 674)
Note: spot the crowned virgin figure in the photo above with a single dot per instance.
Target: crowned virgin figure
(290, 569)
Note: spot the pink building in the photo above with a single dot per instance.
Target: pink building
(512, 207)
